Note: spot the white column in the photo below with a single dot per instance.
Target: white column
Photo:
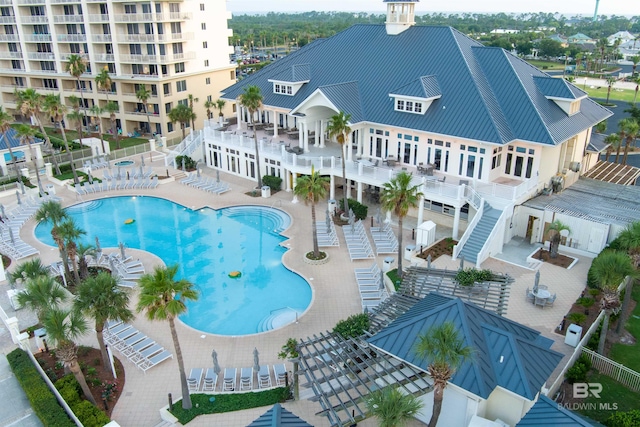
(287, 180)
(348, 147)
(275, 124)
(421, 205)
(456, 224)
(359, 192)
(360, 145)
(332, 187)
(239, 114)
(295, 198)
(322, 127)
(317, 128)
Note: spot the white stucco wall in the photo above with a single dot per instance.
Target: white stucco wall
(506, 406)
(457, 408)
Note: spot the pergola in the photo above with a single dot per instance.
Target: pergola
(342, 372)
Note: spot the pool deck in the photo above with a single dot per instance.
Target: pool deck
(335, 297)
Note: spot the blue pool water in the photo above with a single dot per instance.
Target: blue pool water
(207, 244)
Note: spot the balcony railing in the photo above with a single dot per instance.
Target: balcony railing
(65, 56)
(104, 57)
(7, 19)
(37, 38)
(10, 55)
(142, 113)
(29, 2)
(98, 17)
(72, 37)
(12, 88)
(173, 16)
(34, 19)
(12, 70)
(136, 38)
(175, 37)
(68, 18)
(8, 37)
(162, 59)
(101, 38)
(127, 93)
(45, 89)
(133, 17)
(41, 56)
(8, 2)
(65, 1)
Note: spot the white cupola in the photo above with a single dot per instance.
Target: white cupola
(400, 15)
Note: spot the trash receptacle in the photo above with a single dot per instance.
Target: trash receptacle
(409, 252)
(332, 206)
(41, 336)
(266, 191)
(386, 264)
(574, 335)
(51, 189)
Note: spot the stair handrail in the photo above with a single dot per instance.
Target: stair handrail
(467, 233)
(483, 254)
(185, 148)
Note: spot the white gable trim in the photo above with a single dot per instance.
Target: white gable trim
(316, 99)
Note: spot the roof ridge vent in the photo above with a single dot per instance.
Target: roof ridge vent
(400, 15)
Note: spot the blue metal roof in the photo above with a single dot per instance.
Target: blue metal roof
(346, 97)
(297, 73)
(423, 87)
(279, 417)
(547, 413)
(487, 93)
(507, 354)
(12, 138)
(558, 88)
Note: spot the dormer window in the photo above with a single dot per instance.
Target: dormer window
(282, 89)
(409, 106)
(565, 95)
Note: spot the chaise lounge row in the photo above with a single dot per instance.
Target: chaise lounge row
(141, 350)
(201, 380)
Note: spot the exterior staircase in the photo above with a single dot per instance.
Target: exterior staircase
(480, 233)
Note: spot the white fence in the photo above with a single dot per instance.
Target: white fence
(613, 369)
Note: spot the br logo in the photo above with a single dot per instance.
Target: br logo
(583, 390)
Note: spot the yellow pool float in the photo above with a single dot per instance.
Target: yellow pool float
(129, 221)
(235, 274)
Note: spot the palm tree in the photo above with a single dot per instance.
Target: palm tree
(635, 59)
(251, 99)
(209, 104)
(392, 407)
(84, 251)
(192, 99)
(70, 233)
(312, 188)
(163, 298)
(28, 270)
(220, 103)
(143, 94)
(27, 136)
(290, 351)
(97, 111)
(100, 298)
(63, 328)
(77, 66)
(613, 143)
(112, 108)
(555, 229)
(51, 211)
(445, 351)
(339, 128)
(31, 106)
(631, 129)
(57, 110)
(41, 294)
(629, 241)
(104, 82)
(398, 196)
(183, 115)
(5, 124)
(609, 269)
(636, 80)
(610, 83)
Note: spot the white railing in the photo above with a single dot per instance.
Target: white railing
(72, 37)
(474, 198)
(99, 17)
(7, 19)
(10, 55)
(133, 17)
(135, 38)
(613, 369)
(8, 37)
(497, 232)
(508, 192)
(48, 56)
(37, 37)
(34, 19)
(467, 233)
(68, 18)
(185, 148)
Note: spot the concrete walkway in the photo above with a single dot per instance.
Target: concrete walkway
(335, 297)
(15, 409)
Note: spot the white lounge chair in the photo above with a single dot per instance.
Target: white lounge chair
(155, 360)
(264, 377)
(142, 355)
(137, 337)
(137, 347)
(246, 378)
(194, 379)
(210, 380)
(280, 373)
(229, 380)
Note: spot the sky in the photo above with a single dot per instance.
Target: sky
(565, 7)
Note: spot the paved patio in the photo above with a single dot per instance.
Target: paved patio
(335, 297)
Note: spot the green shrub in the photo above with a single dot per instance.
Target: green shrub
(594, 340)
(395, 279)
(577, 318)
(359, 210)
(43, 401)
(274, 182)
(189, 163)
(89, 414)
(69, 389)
(469, 276)
(353, 326)
(578, 372)
(624, 419)
(586, 302)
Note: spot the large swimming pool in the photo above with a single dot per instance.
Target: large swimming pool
(207, 244)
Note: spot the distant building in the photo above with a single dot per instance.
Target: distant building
(623, 36)
(504, 31)
(560, 39)
(580, 38)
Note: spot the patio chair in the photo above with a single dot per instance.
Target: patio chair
(229, 379)
(529, 295)
(155, 360)
(264, 377)
(246, 378)
(210, 380)
(194, 379)
(280, 374)
(551, 300)
(540, 301)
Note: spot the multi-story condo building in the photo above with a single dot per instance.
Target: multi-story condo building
(173, 48)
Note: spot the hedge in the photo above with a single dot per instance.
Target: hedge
(43, 401)
(274, 182)
(88, 414)
(359, 210)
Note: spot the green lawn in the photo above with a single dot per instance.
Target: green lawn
(616, 94)
(549, 64)
(614, 397)
(629, 355)
(124, 142)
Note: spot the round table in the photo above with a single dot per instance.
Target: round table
(542, 293)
